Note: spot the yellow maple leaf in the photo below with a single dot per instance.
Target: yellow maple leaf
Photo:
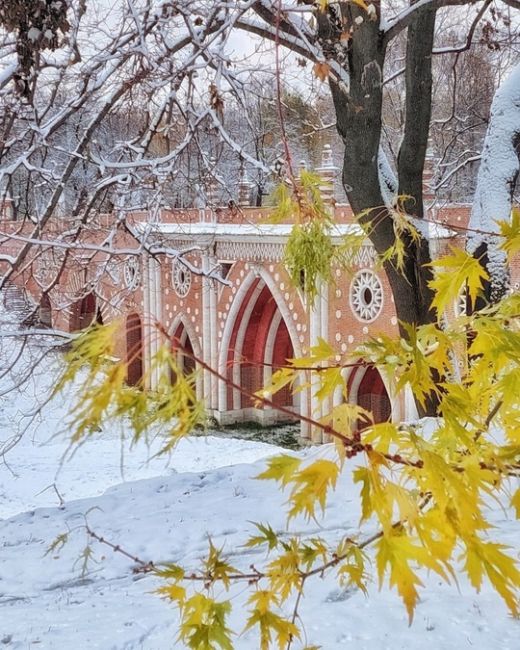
(280, 468)
(453, 272)
(510, 231)
(515, 502)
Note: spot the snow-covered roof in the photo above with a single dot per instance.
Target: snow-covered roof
(239, 230)
(279, 231)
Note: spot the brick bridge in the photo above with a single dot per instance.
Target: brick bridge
(245, 328)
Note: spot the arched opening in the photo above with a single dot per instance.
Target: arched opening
(183, 349)
(134, 350)
(84, 312)
(367, 389)
(45, 311)
(260, 343)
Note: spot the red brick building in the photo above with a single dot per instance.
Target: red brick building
(245, 327)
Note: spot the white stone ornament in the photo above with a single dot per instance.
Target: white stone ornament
(181, 277)
(131, 273)
(114, 271)
(461, 304)
(366, 296)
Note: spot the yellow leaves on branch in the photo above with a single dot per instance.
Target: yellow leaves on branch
(281, 378)
(515, 502)
(203, 625)
(405, 232)
(395, 555)
(216, 568)
(309, 256)
(105, 395)
(271, 624)
(382, 497)
(453, 273)
(432, 504)
(266, 537)
(423, 490)
(203, 620)
(280, 468)
(309, 485)
(310, 252)
(510, 231)
(502, 571)
(352, 571)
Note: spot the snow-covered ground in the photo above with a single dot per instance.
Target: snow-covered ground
(164, 511)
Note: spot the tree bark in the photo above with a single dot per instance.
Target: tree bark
(412, 153)
(359, 122)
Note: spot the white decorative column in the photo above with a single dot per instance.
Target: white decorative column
(409, 407)
(326, 404)
(152, 307)
(154, 271)
(319, 329)
(146, 330)
(213, 328)
(319, 312)
(314, 334)
(206, 330)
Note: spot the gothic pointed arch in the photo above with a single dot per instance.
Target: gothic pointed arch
(185, 346)
(258, 338)
(366, 388)
(134, 350)
(183, 335)
(84, 312)
(237, 307)
(182, 347)
(45, 311)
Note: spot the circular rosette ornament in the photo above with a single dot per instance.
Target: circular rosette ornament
(366, 296)
(132, 273)
(181, 278)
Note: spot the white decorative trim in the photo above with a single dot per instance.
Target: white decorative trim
(132, 273)
(353, 393)
(460, 305)
(114, 271)
(366, 256)
(239, 344)
(181, 278)
(76, 286)
(257, 251)
(366, 296)
(269, 346)
(189, 329)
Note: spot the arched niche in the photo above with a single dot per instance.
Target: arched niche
(134, 350)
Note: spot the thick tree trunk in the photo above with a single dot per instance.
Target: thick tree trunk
(412, 153)
(359, 122)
